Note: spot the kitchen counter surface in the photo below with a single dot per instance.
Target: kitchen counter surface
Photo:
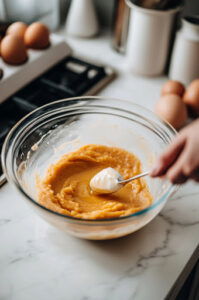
(39, 262)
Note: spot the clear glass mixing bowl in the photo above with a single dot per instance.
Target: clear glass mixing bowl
(47, 133)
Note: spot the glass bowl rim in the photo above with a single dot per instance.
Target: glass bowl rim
(15, 182)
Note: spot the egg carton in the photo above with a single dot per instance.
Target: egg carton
(15, 77)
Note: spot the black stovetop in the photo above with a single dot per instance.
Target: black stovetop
(71, 77)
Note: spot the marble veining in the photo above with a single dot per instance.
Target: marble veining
(37, 258)
(4, 221)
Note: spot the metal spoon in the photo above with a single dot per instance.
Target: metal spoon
(134, 177)
(109, 181)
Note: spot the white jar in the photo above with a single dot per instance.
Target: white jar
(82, 20)
(185, 57)
(149, 39)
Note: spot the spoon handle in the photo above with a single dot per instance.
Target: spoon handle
(135, 177)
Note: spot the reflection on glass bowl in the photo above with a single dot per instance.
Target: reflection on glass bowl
(47, 133)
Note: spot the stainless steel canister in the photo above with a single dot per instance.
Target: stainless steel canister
(120, 25)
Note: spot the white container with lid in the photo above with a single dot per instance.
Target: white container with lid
(185, 58)
(149, 39)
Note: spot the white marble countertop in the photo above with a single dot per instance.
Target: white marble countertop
(39, 262)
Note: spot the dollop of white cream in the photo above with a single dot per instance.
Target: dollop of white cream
(106, 181)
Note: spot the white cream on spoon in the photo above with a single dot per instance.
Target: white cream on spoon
(106, 181)
(109, 181)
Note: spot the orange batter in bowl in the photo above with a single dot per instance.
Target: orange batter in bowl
(66, 188)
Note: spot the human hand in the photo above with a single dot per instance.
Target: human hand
(180, 161)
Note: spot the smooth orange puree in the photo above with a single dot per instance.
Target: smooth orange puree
(66, 188)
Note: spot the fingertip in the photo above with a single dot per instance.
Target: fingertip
(176, 177)
(158, 169)
(172, 174)
(155, 171)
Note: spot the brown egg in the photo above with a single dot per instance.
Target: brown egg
(13, 50)
(173, 87)
(37, 36)
(191, 96)
(18, 29)
(172, 109)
